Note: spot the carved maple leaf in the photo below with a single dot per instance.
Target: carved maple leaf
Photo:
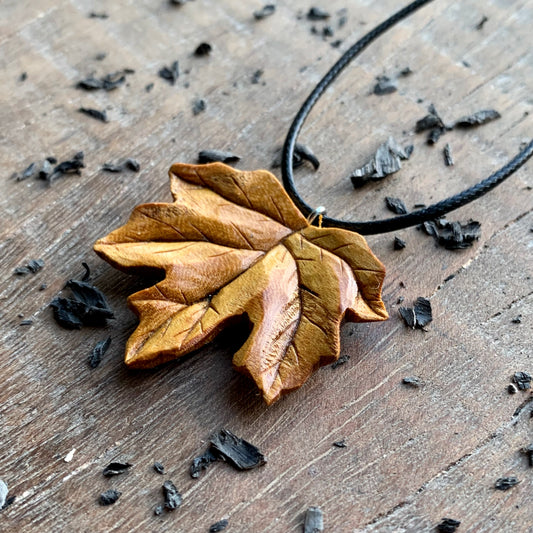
(232, 244)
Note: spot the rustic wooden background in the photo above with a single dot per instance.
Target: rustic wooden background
(413, 456)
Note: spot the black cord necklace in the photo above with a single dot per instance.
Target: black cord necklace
(403, 221)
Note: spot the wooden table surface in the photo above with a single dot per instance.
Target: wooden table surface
(412, 455)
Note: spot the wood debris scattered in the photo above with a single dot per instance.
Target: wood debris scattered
(447, 152)
(413, 381)
(395, 205)
(170, 74)
(109, 82)
(214, 156)
(126, 164)
(115, 469)
(506, 483)
(33, 266)
(159, 468)
(109, 497)
(198, 106)
(266, 11)
(386, 161)
(453, 235)
(172, 497)
(344, 358)
(94, 113)
(399, 244)
(227, 447)
(221, 525)
(87, 307)
(522, 380)
(419, 315)
(301, 154)
(203, 49)
(448, 525)
(477, 119)
(317, 13)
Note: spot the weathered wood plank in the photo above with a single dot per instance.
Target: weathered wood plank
(398, 439)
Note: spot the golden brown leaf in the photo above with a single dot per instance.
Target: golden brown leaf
(232, 244)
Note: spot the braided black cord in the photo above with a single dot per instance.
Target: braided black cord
(390, 224)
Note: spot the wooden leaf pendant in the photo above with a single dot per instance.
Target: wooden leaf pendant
(232, 244)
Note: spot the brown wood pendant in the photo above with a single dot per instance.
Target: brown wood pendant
(232, 244)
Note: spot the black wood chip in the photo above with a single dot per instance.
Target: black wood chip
(115, 469)
(203, 49)
(447, 152)
(517, 319)
(506, 483)
(241, 454)
(419, 315)
(87, 273)
(213, 156)
(477, 119)
(399, 244)
(178, 2)
(111, 167)
(159, 468)
(33, 266)
(23, 77)
(221, 525)
(317, 13)
(327, 31)
(314, 520)
(430, 121)
(132, 164)
(413, 381)
(71, 166)
(27, 322)
(453, 235)
(385, 85)
(266, 11)
(173, 498)
(340, 361)
(149, 87)
(385, 161)
(301, 154)
(481, 23)
(109, 497)
(109, 82)
(129, 164)
(98, 352)
(198, 106)
(170, 74)
(395, 205)
(522, 380)
(201, 463)
(256, 76)
(448, 525)
(88, 307)
(511, 389)
(340, 443)
(101, 15)
(94, 113)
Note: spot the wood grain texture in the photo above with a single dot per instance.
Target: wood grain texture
(413, 456)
